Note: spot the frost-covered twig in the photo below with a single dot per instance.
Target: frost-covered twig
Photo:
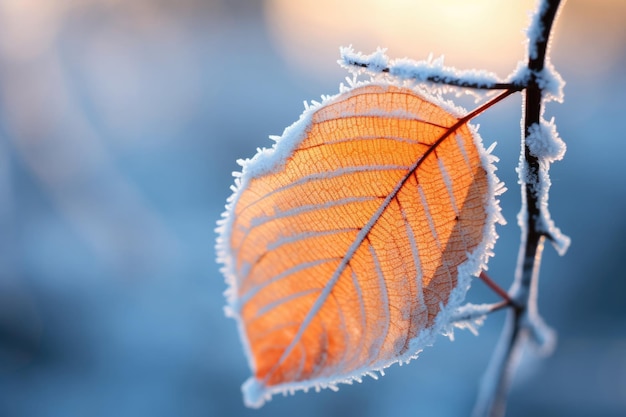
(540, 147)
(430, 70)
(469, 315)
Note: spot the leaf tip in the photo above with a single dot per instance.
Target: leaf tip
(254, 393)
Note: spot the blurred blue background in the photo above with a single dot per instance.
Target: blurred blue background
(120, 124)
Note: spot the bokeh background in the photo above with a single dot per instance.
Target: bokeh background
(120, 124)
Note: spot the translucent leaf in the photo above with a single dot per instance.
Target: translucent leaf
(348, 245)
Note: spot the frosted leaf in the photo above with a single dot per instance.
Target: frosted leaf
(325, 218)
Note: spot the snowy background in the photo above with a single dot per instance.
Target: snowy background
(120, 124)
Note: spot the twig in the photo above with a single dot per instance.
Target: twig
(508, 301)
(496, 382)
(429, 71)
(453, 82)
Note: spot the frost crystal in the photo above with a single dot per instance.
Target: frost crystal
(551, 83)
(470, 316)
(549, 80)
(534, 33)
(544, 142)
(375, 62)
(545, 223)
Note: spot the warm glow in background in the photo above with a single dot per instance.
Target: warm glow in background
(488, 34)
(483, 33)
(120, 125)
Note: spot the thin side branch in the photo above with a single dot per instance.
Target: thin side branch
(453, 82)
(428, 71)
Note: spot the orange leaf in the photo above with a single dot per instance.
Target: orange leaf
(348, 244)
